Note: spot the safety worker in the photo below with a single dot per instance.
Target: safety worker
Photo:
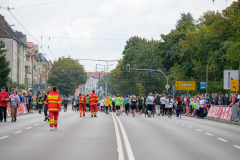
(54, 103)
(82, 104)
(46, 108)
(40, 103)
(93, 99)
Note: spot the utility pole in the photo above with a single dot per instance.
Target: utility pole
(106, 80)
(18, 52)
(206, 79)
(46, 65)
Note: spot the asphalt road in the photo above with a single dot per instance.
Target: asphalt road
(108, 137)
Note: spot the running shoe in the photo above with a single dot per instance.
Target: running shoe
(51, 128)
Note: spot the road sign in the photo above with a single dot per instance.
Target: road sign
(151, 71)
(234, 85)
(29, 87)
(185, 85)
(167, 86)
(99, 90)
(203, 85)
(228, 76)
(8, 84)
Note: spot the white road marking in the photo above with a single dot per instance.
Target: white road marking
(4, 137)
(222, 140)
(189, 126)
(127, 143)
(36, 135)
(176, 122)
(36, 124)
(209, 134)
(238, 147)
(119, 142)
(198, 130)
(43, 122)
(183, 124)
(28, 127)
(17, 132)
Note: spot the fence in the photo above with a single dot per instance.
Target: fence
(22, 109)
(224, 112)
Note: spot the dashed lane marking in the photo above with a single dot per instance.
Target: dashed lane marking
(176, 122)
(36, 124)
(222, 140)
(198, 130)
(238, 147)
(189, 126)
(209, 134)
(183, 124)
(28, 128)
(18, 132)
(43, 122)
(4, 137)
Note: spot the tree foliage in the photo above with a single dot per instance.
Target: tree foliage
(4, 66)
(67, 74)
(183, 54)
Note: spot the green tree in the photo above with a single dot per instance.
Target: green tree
(67, 74)
(4, 66)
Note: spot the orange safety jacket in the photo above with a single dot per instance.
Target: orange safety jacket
(53, 101)
(82, 100)
(93, 99)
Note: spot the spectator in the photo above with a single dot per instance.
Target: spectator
(14, 103)
(216, 98)
(4, 97)
(227, 99)
(222, 99)
(207, 101)
(213, 99)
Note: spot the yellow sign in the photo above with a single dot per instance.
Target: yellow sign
(185, 85)
(234, 85)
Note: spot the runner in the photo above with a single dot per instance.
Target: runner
(140, 105)
(118, 103)
(87, 103)
(163, 101)
(134, 105)
(126, 101)
(107, 102)
(149, 102)
(170, 106)
(102, 104)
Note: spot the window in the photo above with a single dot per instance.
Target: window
(3, 45)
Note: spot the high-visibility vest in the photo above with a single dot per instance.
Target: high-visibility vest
(93, 99)
(82, 100)
(53, 101)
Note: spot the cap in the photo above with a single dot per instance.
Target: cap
(3, 87)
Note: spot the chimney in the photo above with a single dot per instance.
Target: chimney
(1, 20)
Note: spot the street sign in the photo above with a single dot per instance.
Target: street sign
(228, 76)
(185, 85)
(167, 86)
(99, 90)
(203, 85)
(151, 71)
(29, 87)
(234, 85)
(8, 84)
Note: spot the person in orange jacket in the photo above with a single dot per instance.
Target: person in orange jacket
(53, 102)
(93, 99)
(82, 104)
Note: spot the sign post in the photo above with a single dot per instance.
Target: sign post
(8, 85)
(185, 86)
(203, 85)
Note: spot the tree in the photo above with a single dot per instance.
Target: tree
(67, 74)
(4, 66)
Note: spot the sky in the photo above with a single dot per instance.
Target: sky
(98, 29)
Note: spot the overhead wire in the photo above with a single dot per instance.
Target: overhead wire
(36, 5)
(30, 33)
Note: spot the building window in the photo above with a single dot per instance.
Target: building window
(3, 45)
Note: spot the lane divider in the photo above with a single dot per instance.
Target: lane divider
(209, 134)
(18, 132)
(119, 142)
(198, 130)
(28, 128)
(4, 137)
(222, 140)
(238, 147)
(127, 143)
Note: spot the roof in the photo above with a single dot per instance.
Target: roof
(96, 74)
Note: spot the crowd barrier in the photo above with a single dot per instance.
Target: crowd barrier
(224, 112)
(22, 109)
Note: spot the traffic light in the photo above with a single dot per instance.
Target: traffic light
(128, 67)
(166, 92)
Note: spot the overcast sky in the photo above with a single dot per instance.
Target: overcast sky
(97, 21)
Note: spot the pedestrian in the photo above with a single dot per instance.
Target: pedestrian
(87, 104)
(149, 101)
(121, 107)
(40, 103)
(157, 104)
(202, 106)
(207, 102)
(170, 106)
(228, 101)
(4, 97)
(45, 107)
(163, 101)
(213, 99)
(140, 105)
(134, 105)
(53, 102)
(82, 103)
(93, 99)
(77, 104)
(179, 106)
(222, 99)
(14, 103)
(102, 103)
